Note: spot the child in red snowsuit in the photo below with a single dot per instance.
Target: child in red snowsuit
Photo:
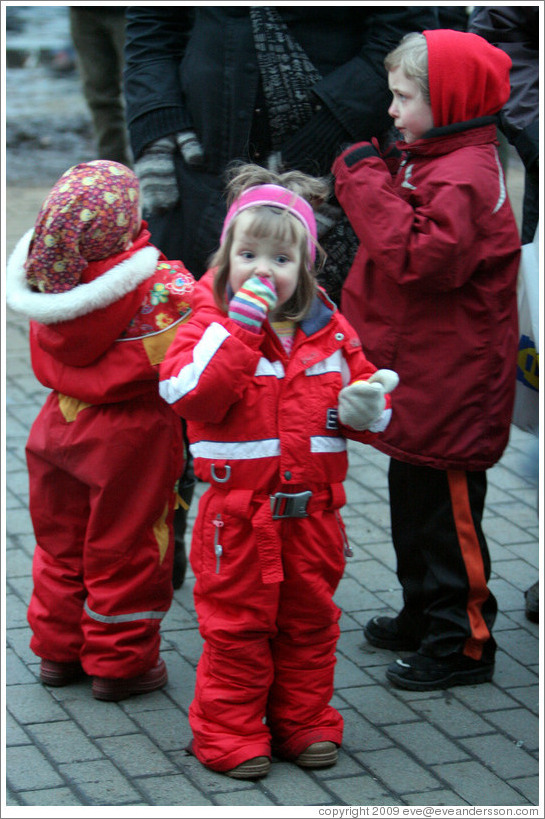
(263, 373)
(105, 451)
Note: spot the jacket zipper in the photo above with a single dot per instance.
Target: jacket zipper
(218, 548)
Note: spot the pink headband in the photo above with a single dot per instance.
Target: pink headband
(277, 197)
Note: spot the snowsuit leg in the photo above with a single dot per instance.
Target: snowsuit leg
(59, 508)
(237, 613)
(448, 540)
(298, 711)
(124, 563)
(269, 647)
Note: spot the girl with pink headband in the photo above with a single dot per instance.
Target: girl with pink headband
(271, 380)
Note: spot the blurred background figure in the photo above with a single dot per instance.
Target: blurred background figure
(98, 35)
(515, 29)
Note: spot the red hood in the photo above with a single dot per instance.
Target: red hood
(468, 77)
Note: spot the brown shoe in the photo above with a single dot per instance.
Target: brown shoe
(318, 755)
(113, 690)
(251, 769)
(55, 673)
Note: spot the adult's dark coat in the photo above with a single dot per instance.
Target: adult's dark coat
(195, 67)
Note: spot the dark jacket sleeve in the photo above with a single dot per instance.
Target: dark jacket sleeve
(156, 39)
(357, 92)
(515, 29)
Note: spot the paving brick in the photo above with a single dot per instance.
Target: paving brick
(173, 789)
(50, 796)
(243, 799)
(477, 785)
(100, 783)
(484, 698)
(398, 771)
(168, 729)
(361, 734)
(510, 673)
(19, 563)
(348, 673)
(291, 785)
(502, 755)
(136, 754)
(15, 735)
(522, 646)
(96, 719)
(528, 787)
(362, 790)
(425, 742)
(378, 705)
(529, 697)
(31, 703)
(434, 797)
(64, 742)
(17, 610)
(451, 716)
(16, 671)
(28, 769)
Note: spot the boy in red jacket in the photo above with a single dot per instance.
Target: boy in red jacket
(105, 451)
(432, 294)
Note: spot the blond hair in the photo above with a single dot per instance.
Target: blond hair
(273, 221)
(411, 56)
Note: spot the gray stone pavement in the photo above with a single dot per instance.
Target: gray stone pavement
(468, 746)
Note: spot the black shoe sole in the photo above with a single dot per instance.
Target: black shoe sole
(468, 677)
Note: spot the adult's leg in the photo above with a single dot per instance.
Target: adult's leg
(99, 38)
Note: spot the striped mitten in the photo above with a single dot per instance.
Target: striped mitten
(250, 305)
(157, 175)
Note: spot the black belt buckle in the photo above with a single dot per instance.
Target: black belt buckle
(290, 505)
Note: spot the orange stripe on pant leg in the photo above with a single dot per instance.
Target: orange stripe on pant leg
(472, 557)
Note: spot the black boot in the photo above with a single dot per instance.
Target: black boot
(185, 494)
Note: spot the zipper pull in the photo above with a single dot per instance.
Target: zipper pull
(218, 548)
(347, 547)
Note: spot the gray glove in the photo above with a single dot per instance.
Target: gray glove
(362, 403)
(156, 170)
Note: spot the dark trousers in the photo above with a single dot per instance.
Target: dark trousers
(99, 38)
(443, 563)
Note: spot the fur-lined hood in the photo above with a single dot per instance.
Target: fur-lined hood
(52, 308)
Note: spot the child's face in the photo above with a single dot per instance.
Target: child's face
(411, 113)
(274, 258)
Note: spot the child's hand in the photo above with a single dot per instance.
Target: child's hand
(251, 304)
(362, 403)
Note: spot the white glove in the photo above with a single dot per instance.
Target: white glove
(156, 170)
(362, 403)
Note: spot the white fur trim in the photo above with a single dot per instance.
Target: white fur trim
(51, 308)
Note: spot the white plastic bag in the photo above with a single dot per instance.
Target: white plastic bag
(526, 409)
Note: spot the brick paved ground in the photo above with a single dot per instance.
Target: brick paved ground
(468, 746)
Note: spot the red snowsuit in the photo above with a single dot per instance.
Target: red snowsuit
(261, 423)
(103, 457)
